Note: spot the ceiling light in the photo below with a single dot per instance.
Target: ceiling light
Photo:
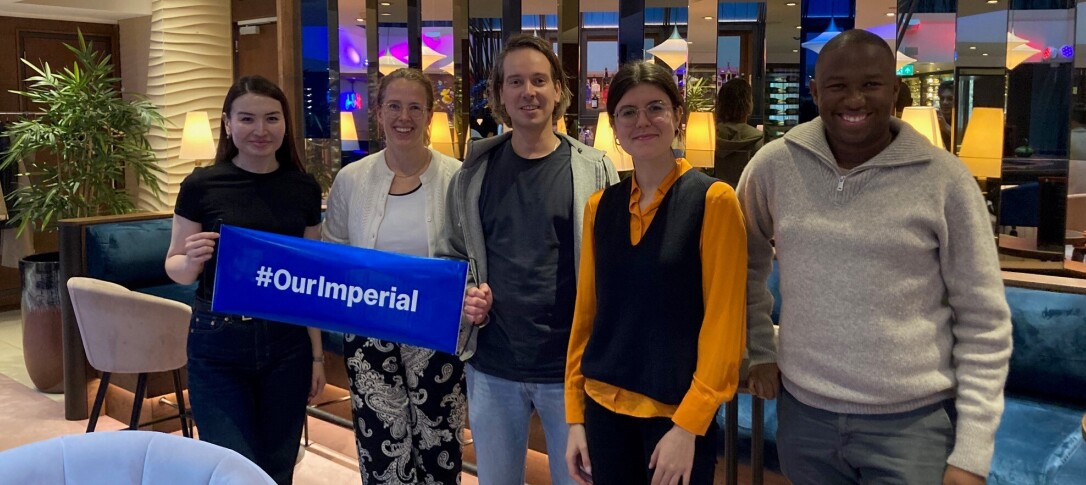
(359, 19)
(984, 54)
(992, 1)
(707, 17)
(386, 4)
(790, 4)
(799, 27)
(385, 14)
(889, 14)
(972, 47)
(795, 50)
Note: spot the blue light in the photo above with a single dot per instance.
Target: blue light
(1067, 51)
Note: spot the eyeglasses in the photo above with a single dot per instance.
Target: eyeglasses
(413, 110)
(656, 111)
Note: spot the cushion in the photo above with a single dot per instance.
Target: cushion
(131, 254)
(1049, 358)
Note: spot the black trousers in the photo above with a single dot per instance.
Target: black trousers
(409, 412)
(620, 447)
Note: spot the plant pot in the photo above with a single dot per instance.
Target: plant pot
(42, 345)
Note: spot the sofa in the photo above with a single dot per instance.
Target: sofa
(1040, 437)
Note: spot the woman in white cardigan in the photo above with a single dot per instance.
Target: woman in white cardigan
(408, 402)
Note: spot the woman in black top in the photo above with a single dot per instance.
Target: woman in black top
(249, 378)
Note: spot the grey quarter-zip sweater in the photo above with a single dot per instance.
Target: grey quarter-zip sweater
(890, 286)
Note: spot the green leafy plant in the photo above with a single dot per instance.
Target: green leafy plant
(700, 94)
(93, 135)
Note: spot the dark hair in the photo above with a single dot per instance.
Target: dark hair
(634, 73)
(287, 153)
(947, 85)
(407, 74)
(852, 37)
(497, 76)
(904, 96)
(733, 102)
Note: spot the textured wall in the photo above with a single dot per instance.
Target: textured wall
(190, 67)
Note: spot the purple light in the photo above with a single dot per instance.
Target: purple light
(1067, 51)
(352, 55)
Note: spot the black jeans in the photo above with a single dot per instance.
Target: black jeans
(248, 383)
(620, 447)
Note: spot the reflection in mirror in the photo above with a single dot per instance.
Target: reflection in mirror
(484, 34)
(782, 36)
(1075, 243)
(438, 52)
(353, 78)
(599, 61)
(928, 36)
(1039, 60)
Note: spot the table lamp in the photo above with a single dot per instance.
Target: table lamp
(441, 135)
(196, 141)
(982, 145)
(348, 133)
(926, 120)
(605, 140)
(700, 139)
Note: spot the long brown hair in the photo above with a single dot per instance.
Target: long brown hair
(287, 153)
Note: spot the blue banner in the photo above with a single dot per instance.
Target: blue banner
(394, 297)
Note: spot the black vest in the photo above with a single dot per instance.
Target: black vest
(649, 297)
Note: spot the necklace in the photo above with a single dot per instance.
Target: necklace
(425, 165)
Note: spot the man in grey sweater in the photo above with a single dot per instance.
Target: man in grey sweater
(894, 331)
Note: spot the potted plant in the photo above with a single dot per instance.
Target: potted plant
(89, 136)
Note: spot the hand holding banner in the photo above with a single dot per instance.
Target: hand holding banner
(405, 299)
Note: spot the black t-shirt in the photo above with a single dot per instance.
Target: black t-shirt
(285, 201)
(526, 208)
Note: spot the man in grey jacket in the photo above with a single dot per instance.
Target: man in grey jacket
(894, 331)
(515, 212)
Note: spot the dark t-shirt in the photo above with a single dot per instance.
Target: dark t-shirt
(527, 214)
(284, 202)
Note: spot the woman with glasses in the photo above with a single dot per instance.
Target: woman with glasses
(408, 402)
(651, 358)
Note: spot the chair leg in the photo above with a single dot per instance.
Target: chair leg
(731, 441)
(757, 440)
(181, 411)
(137, 403)
(103, 385)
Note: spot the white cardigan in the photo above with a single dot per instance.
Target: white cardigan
(356, 203)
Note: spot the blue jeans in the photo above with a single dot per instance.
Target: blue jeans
(248, 385)
(817, 446)
(499, 412)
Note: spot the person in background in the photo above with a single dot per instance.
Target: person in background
(514, 213)
(249, 379)
(736, 141)
(408, 402)
(895, 333)
(946, 112)
(904, 98)
(658, 332)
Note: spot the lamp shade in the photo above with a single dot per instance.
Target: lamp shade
(982, 145)
(700, 139)
(196, 141)
(348, 133)
(1019, 55)
(430, 56)
(441, 134)
(605, 140)
(820, 40)
(903, 60)
(389, 63)
(926, 120)
(672, 51)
